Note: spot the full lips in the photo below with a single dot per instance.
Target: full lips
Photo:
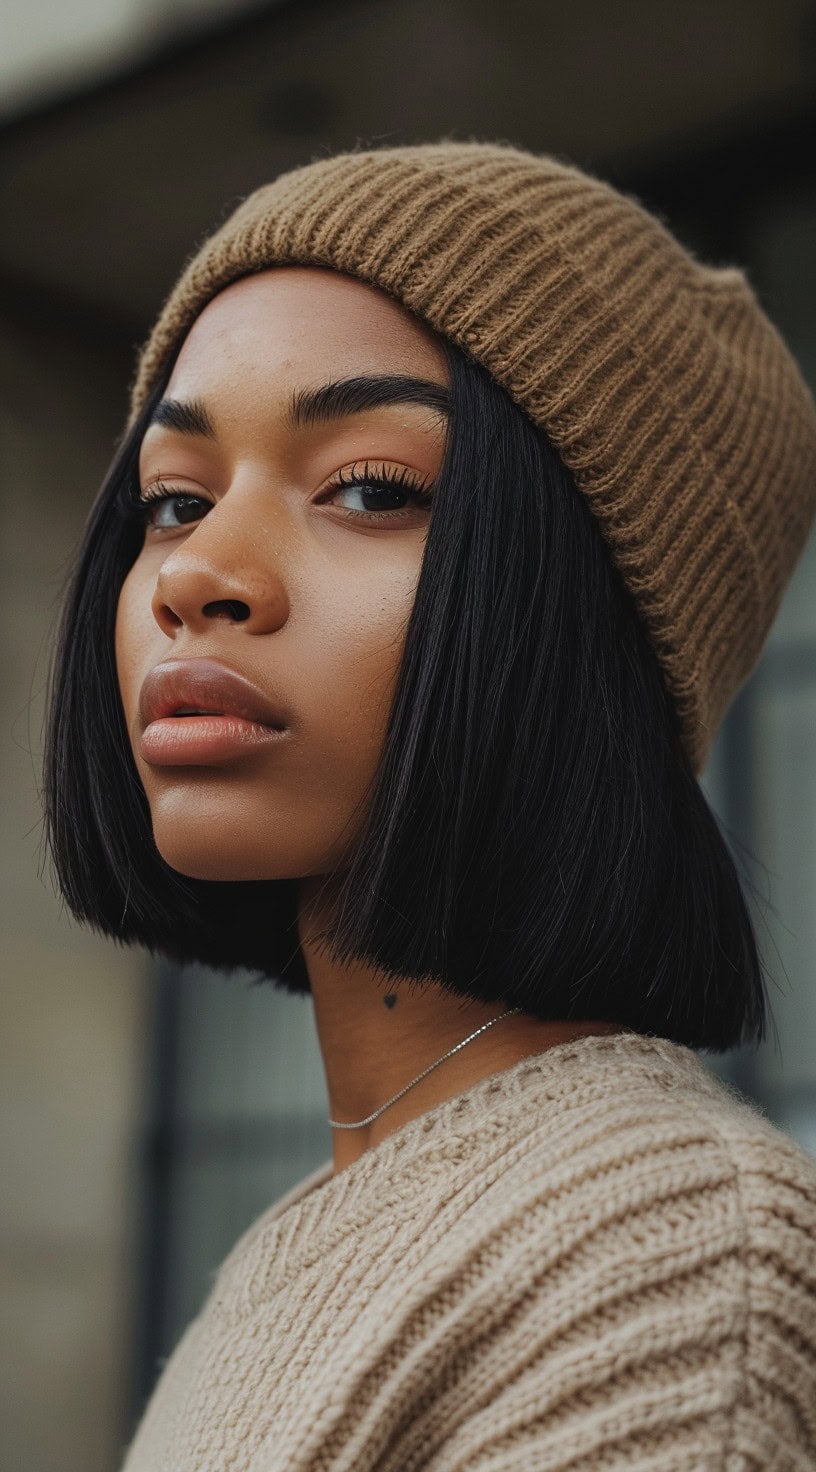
(231, 716)
(204, 740)
(205, 684)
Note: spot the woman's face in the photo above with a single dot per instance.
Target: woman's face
(268, 559)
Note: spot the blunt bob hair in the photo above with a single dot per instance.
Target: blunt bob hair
(534, 834)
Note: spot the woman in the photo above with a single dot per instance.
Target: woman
(455, 505)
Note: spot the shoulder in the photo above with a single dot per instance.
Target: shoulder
(774, 1187)
(653, 1250)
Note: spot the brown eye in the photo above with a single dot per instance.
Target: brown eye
(165, 508)
(385, 494)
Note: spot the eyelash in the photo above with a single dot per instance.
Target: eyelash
(384, 479)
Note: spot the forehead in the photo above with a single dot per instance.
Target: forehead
(302, 324)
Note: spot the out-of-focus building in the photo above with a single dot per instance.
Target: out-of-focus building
(148, 1115)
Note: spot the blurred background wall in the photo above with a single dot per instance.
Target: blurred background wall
(149, 1114)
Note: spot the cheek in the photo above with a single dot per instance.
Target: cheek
(135, 630)
(349, 667)
(359, 659)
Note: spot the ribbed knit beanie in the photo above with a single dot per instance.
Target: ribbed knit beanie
(660, 380)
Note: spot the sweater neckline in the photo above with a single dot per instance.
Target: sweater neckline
(443, 1137)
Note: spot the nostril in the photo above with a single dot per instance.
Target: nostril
(227, 608)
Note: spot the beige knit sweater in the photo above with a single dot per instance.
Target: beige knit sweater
(602, 1257)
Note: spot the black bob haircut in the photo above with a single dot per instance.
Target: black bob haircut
(534, 834)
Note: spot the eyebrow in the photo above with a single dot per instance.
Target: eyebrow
(310, 406)
(189, 416)
(346, 396)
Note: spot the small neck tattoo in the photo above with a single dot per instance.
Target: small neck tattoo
(390, 1001)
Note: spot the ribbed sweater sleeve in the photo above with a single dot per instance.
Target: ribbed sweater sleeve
(601, 1258)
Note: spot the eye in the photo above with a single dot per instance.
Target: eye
(162, 506)
(386, 494)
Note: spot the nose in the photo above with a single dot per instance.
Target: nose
(216, 574)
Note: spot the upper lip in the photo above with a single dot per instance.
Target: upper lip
(205, 685)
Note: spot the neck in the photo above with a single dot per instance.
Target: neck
(377, 1033)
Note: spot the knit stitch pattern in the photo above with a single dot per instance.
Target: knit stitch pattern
(661, 381)
(601, 1259)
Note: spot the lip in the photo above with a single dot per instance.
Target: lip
(236, 717)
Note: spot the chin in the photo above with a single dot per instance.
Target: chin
(209, 833)
(207, 866)
(198, 858)
(231, 842)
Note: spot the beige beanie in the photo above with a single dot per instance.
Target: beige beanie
(666, 389)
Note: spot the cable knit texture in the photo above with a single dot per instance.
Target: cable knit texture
(665, 387)
(602, 1257)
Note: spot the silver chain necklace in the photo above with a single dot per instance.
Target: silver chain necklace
(336, 1125)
